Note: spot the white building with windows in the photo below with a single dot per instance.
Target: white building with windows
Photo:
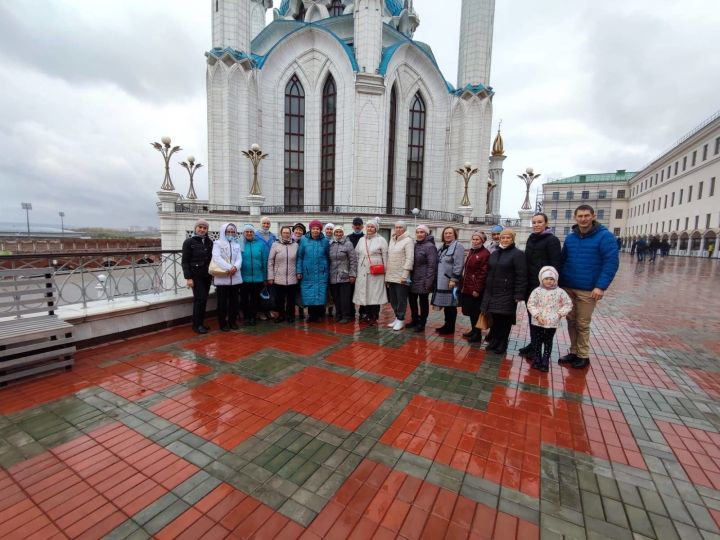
(676, 197)
(607, 193)
(354, 114)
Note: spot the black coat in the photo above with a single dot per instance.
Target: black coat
(541, 250)
(196, 255)
(506, 281)
(424, 266)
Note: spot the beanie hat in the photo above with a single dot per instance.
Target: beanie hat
(331, 225)
(338, 228)
(301, 225)
(496, 229)
(202, 221)
(548, 271)
(357, 221)
(374, 221)
(248, 227)
(315, 223)
(423, 228)
(402, 224)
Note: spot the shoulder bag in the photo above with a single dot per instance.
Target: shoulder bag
(375, 269)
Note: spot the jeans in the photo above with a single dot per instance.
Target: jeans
(398, 297)
(200, 290)
(424, 301)
(228, 303)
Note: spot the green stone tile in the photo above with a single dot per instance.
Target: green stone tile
(304, 472)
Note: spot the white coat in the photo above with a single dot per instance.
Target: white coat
(227, 254)
(370, 289)
(400, 259)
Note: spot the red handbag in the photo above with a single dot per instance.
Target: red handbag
(375, 269)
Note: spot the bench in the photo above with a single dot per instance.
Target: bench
(32, 338)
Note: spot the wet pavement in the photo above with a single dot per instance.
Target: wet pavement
(341, 431)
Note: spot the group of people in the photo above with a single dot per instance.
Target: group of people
(642, 248)
(326, 270)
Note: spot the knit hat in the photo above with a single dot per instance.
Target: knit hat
(330, 225)
(548, 272)
(496, 229)
(357, 221)
(338, 228)
(402, 224)
(202, 221)
(315, 223)
(248, 227)
(423, 228)
(374, 221)
(301, 225)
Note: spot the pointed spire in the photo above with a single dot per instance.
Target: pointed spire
(498, 148)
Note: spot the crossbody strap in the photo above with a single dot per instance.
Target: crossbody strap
(368, 254)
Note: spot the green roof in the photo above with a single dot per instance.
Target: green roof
(617, 176)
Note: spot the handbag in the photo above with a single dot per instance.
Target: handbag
(375, 269)
(484, 322)
(215, 270)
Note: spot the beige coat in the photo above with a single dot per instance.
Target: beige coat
(400, 259)
(370, 289)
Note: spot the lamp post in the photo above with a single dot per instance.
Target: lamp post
(167, 151)
(255, 156)
(190, 166)
(528, 177)
(27, 207)
(467, 171)
(62, 223)
(415, 212)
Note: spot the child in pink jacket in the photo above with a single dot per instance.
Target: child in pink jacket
(547, 305)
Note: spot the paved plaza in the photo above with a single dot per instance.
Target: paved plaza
(338, 431)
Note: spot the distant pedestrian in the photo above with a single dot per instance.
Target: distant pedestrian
(653, 248)
(710, 250)
(590, 261)
(664, 248)
(473, 284)
(343, 271)
(282, 274)
(633, 247)
(641, 249)
(401, 256)
(423, 277)
(547, 304)
(195, 260)
(227, 254)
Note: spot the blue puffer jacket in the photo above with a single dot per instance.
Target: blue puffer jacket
(312, 263)
(254, 261)
(589, 260)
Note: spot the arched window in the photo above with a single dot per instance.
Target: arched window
(336, 8)
(294, 144)
(327, 151)
(416, 154)
(391, 151)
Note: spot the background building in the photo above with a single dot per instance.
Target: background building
(676, 196)
(607, 193)
(354, 114)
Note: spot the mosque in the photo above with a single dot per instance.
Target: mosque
(353, 112)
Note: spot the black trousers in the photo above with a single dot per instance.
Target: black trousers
(372, 312)
(315, 313)
(502, 324)
(423, 300)
(542, 343)
(450, 316)
(285, 299)
(200, 290)
(398, 297)
(228, 304)
(250, 298)
(342, 296)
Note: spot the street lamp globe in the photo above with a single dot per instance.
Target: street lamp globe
(165, 140)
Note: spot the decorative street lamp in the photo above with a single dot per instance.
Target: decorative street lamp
(528, 177)
(466, 172)
(190, 166)
(27, 207)
(415, 212)
(491, 185)
(62, 223)
(255, 155)
(167, 151)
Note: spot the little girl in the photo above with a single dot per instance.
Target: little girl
(547, 305)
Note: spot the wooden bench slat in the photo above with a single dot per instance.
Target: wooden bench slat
(11, 332)
(38, 369)
(12, 351)
(27, 272)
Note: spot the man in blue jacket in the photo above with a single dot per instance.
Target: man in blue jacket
(590, 260)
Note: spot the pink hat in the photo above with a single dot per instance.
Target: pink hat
(315, 223)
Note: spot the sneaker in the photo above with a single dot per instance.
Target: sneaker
(569, 358)
(391, 324)
(399, 325)
(580, 363)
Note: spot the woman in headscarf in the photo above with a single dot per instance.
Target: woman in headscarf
(506, 286)
(343, 270)
(254, 273)
(227, 255)
(268, 238)
(370, 284)
(196, 255)
(473, 285)
(313, 270)
(401, 256)
(424, 275)
(282, 275)
(451, 257)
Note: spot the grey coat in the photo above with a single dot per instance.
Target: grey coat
(425, 267)
(343, 261)
(451, 259)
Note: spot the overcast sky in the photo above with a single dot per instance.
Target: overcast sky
(581, 87)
